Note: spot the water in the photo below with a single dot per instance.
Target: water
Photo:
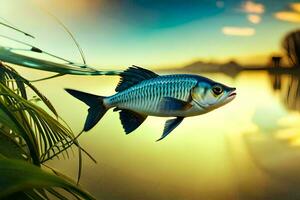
(248, 149)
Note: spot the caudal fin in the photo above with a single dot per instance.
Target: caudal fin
(97, 108)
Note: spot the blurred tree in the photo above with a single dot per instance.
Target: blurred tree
(291, 45)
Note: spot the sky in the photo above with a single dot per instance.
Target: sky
(156, 34)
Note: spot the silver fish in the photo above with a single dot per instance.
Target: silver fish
(141, 93)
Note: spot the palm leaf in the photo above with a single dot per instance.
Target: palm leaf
(18, 176)
(13, 80)
(10, 120)
(9, 56)
(9, 147)
(35, 125)
(43, 135)
(29, 133)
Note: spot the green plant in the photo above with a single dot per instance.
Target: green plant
(29, 136)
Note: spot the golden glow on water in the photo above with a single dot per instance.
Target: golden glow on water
(247, 148)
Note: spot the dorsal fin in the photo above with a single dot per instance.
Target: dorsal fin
(132, 76)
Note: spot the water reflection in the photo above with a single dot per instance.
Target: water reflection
(276, 81)
(288, 86)
(246, 150)
(273, 149)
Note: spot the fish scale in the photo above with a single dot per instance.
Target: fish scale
(141, 93)
(147, 95)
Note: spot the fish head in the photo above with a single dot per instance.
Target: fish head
(210, 95)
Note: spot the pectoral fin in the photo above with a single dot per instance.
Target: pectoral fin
(170, 125)
(170, 103)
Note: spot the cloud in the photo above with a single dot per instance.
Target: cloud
(295, 7)
(288, 16)
(255, 19)
(238, 31)
(252, 7)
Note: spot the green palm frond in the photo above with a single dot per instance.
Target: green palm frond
(29, 135)
(18, 178)
(10, 146)
(43, 134)
(33, 136)
(9, 56)
(18, 84)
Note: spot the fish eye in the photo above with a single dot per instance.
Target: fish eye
(217, 89)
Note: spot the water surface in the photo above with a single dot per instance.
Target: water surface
(248, 149)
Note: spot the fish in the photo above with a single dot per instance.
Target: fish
(141, 93)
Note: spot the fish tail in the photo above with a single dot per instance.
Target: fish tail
(97, 107)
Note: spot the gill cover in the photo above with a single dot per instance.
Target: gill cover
(198, 96)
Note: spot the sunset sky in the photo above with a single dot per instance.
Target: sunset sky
(115, 33)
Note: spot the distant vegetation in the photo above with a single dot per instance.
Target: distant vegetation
(291, 44)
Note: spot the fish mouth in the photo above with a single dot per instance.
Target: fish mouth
(232, 94)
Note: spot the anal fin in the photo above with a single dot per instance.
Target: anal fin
(131, 120)
(170, 125)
